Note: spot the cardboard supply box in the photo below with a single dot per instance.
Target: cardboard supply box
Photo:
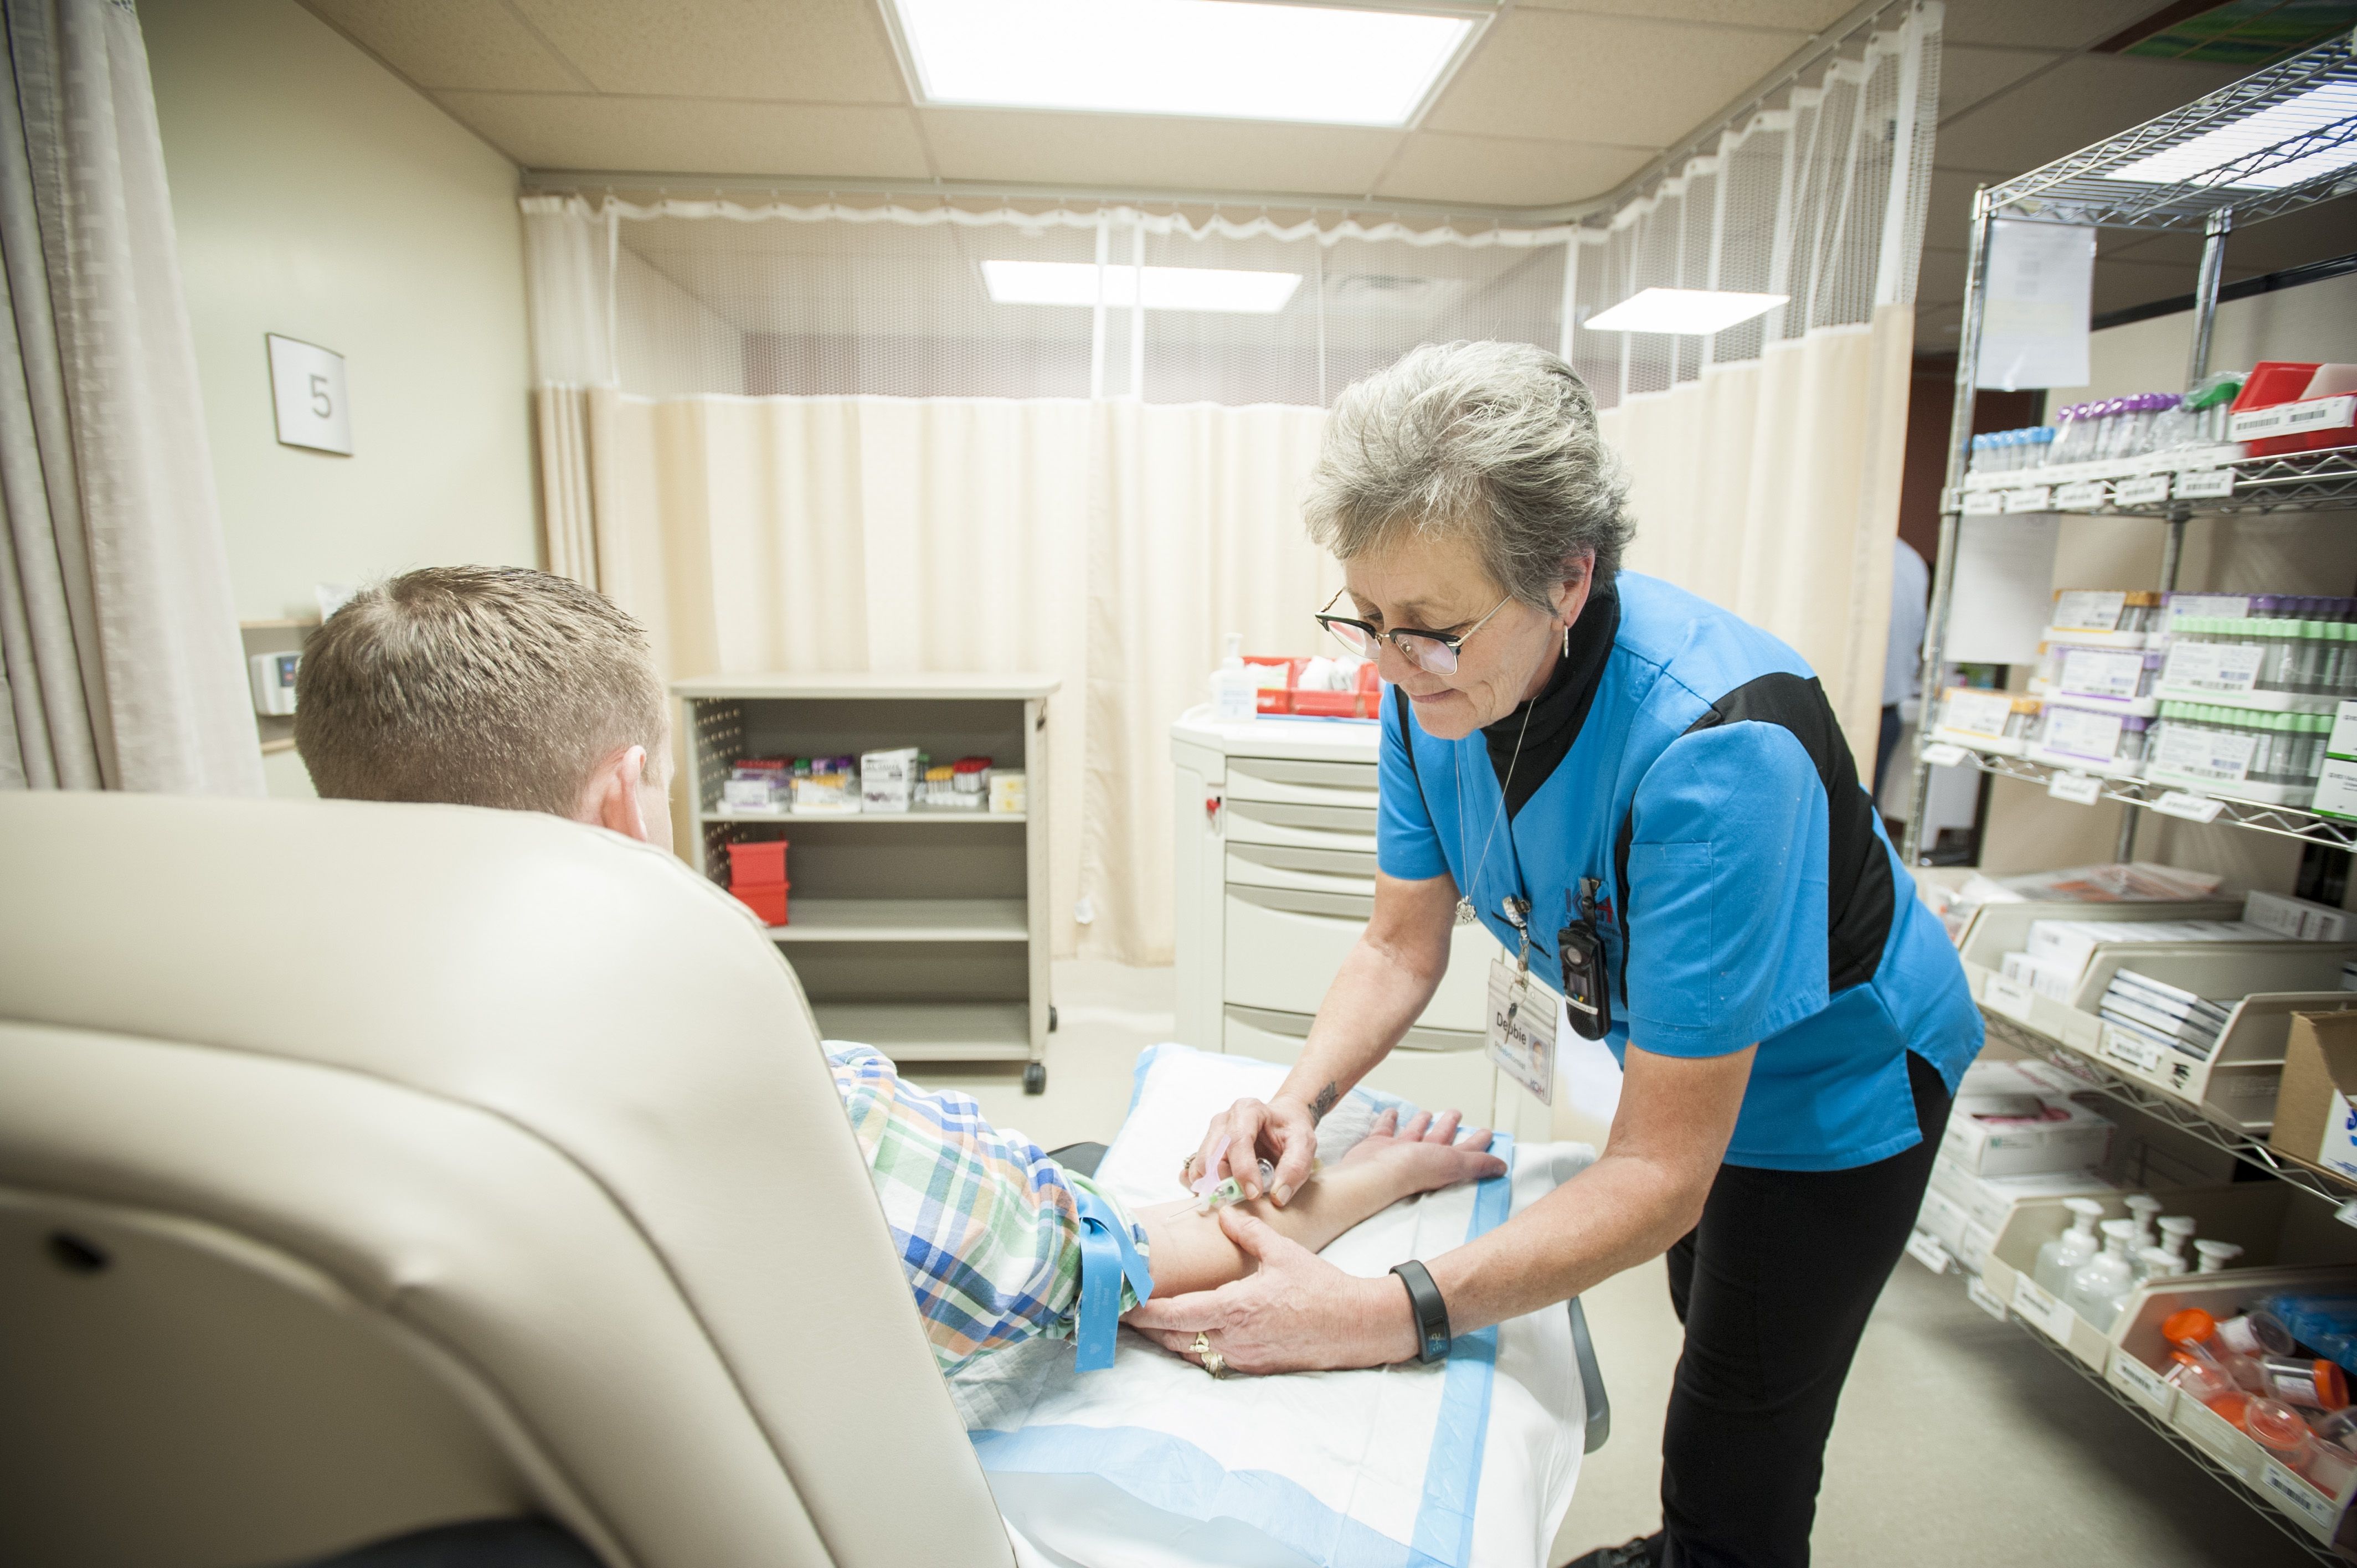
(2316, 1109)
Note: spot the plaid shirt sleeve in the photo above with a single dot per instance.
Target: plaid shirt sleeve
(986, 1225)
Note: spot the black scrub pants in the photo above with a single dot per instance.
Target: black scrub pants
(1774, 1286)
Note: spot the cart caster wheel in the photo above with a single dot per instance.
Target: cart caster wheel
(1052, 1018)
(1035, 1078)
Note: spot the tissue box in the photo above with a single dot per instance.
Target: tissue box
(2070, 1138)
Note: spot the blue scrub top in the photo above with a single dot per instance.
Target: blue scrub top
(1749, 895)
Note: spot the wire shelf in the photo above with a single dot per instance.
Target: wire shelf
(2185, 1445)
(2284, 821)
(2252, 1151)
(2250, 180)
(2291, 481)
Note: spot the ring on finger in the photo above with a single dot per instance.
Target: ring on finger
(1215, 1363)
(1187, 1168)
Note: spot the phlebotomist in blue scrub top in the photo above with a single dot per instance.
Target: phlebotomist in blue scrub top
(1655, 791)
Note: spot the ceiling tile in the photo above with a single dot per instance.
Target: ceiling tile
(1969, 75)
(579, 131)
(1800, 16)
(1613, 80)
(2077, 104)
(1497, 172)
(821, 52)
(1155, 152)
(451, 43)
(2041, 23)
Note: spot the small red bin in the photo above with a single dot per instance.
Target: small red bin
(768, 901)
(756, 865)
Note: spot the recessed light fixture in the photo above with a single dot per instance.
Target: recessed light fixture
(1320, 63)
(1693, 311)
(2201, 160)
(1167, 288)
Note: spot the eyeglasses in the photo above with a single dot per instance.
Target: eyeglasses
(1433, 652)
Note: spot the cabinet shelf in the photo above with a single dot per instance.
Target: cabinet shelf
(933, 1031)
(2291, 481)
(904, 920)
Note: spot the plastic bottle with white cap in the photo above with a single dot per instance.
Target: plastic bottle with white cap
(2176, 1235)
(2215, 1255)
(2061, 1258)
(2104, 1275)
(2151, 1263)
(2144, 1207)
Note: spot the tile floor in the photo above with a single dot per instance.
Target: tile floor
(1960, 1441)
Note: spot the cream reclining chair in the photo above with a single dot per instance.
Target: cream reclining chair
(365, 1168)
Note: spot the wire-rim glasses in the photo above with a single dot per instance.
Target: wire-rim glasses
(1434, 652)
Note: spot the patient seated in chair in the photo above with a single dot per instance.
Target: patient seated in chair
(514, 689)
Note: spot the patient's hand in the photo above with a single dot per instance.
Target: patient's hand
(1426, 1154)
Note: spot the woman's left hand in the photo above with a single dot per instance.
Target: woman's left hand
(1295, 1313)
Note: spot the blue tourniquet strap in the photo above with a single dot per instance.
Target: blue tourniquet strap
(1107, 1256)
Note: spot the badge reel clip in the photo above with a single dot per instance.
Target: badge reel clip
(1586, 983)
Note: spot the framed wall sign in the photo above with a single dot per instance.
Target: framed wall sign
(307, 392)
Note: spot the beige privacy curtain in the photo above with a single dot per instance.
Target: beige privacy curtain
(118, 637)
(832, 437)
(1106, 544)
(1766, 458)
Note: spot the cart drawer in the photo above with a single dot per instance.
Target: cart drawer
(1284, 945)
(1303, 827)
(1351, 784)
(1320, 870)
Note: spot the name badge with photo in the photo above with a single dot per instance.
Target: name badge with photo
(1523, 1014)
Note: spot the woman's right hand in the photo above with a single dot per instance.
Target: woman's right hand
(1280, 1131)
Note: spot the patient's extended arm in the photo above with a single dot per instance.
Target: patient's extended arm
(1191, 1252)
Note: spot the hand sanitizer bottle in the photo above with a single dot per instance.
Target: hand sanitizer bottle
(2104, 1275)
(2062, 1257)
(2176, 1236)
(1233, 695)
(2215, 1256)
(2143, 1207)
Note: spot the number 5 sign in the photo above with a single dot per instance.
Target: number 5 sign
(306, 389)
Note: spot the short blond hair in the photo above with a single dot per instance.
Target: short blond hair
(475, 686)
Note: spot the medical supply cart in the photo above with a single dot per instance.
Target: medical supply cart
(2231, 159)
(1275, 875)
(923, 932)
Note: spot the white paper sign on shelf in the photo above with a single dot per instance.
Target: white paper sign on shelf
(1927, 1251)
(2296, 1497)
(1943, 754)
(2227, 667)
(2141, 491)
(2192, 808)
(2293, 418)
(2100, 672)
(2004, 588)
(2142, 1383)
(2204, 484)
(2079, 789)
(2081, 731)
(1983, 503)
(2007, 995)
(2087, 495)
(1980, 1296)
(2038, 305)
(2031, 498)
(1981, 712)
(2136, 1052)
(2089, 610)
(2208, 755)
(2039, 1308)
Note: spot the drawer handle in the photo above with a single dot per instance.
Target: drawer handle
(1299, 901)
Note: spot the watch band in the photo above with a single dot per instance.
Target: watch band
(1431, 1312)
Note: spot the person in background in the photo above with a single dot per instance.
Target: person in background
(1902, 673)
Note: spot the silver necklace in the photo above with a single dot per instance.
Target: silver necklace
(1465, 916)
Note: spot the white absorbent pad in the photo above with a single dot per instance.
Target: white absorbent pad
(1471, 1461)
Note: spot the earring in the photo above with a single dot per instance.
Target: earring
(1566, 641)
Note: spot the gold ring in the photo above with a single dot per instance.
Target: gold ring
(1187, 1168)
(1215, 1363)
(1202, 1345)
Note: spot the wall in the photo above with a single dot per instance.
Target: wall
(318, 197)
(2310, 552)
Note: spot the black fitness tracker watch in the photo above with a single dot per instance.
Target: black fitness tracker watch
(1431, 1312)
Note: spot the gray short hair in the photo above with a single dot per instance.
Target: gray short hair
(1497, 440)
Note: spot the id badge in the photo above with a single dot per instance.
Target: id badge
(1521, 1028)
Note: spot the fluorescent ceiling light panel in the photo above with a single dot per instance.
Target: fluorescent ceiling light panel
(1167, 288)
(1693, 311)
(2199, 161)
(1226, 58)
